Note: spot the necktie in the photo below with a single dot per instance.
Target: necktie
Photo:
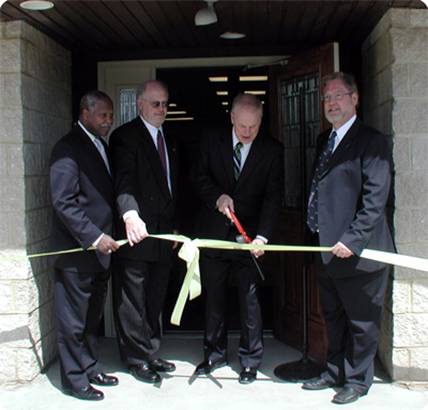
(161, 151)
(312, 218)
(237, 160)
(102, 152)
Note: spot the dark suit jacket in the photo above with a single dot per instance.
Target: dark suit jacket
(352, 196)
(140, 184)
(82, 199)
(257, 194)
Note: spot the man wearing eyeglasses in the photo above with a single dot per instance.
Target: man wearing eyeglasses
(346, 210)
(145, 170)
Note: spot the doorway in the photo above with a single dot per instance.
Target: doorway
(200, 100)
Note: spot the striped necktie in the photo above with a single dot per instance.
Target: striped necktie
(237, 160)
(312, 217)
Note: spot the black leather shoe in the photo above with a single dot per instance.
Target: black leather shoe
(247, 375)
(207, 366)
(102, 379)
(160, 365)
(347, 395)
(85, 393)
(144, 373)
(317, 383)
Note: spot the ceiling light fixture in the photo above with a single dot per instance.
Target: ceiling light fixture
(255, 92)
(232, 35)
(180, 119)
(253, 78)
(176, 112)
(206, 15)
(224, 103)
(172, 105)
(36, 5)
(218, 79)
(222, 92)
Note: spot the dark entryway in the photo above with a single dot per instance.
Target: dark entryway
(201, 99)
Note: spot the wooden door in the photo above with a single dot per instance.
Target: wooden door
(298, 122)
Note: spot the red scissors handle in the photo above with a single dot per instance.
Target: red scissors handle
(239, 227)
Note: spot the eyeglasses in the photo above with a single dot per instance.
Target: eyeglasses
(157, 104)
(334, 97)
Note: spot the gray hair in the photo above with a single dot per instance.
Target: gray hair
(347, 79)
(88, 101)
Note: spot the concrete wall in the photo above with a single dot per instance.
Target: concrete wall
(395, 89)
(35, 110)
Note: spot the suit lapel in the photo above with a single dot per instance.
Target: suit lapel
(252, 159)
(152, 156)
(226, 153)
(94, 153)
(343, 146)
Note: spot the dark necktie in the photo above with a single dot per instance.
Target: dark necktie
(237, 160)
(161, 151)
(312, 218)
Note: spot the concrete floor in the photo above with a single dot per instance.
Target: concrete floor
(181, 391)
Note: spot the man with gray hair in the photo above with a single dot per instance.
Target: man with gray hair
(238, 171)
(145, 168)
(83, 203)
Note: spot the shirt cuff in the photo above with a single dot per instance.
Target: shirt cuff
(262, 238)
(130, 214)
(97, 241)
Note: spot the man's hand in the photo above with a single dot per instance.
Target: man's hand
(341, 251)
(224, 203)
(136, 230)
(107, 244)
(257, 252)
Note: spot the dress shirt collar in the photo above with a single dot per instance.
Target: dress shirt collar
(90, 135)
(341, 131)
(152, 129)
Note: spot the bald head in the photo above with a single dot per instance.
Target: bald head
(152, 102)
(246, 117)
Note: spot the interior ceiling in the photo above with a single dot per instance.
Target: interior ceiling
(112, 29)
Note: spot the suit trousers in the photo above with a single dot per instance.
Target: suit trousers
(352, 308)
(215, 273)
(139, 294)
(79, 305)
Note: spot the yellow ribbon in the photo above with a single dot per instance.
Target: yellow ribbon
(189, 252)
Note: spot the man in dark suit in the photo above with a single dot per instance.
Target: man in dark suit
(145, 168)
(83, 203)
(346, 210)
(241, 171)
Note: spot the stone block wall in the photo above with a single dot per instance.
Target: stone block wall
(395, 91)
(35, 110)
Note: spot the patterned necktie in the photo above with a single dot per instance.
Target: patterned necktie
(237, 160)
(312, 218)
(102, 152)
(161, 151)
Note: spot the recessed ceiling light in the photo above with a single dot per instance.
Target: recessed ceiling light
(222, 92)
(36, 5)
(255, 92)
(232, 35)
(253, 78)
(177, 112)
(172, 105)
(218, 79)
(224, 103)
(180, 119)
